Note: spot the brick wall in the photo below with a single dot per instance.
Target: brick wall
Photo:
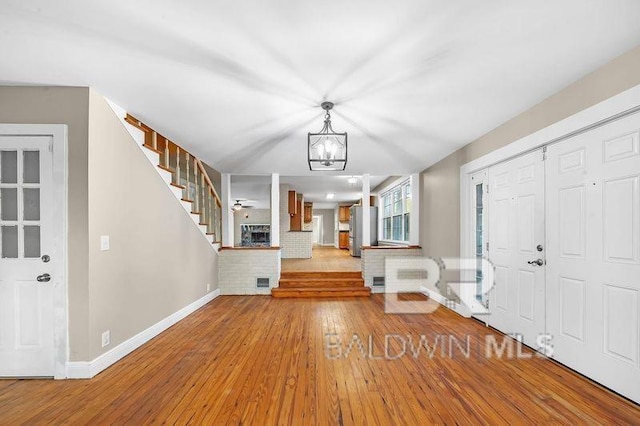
(239, 269)
(294, 245)
(373, 262)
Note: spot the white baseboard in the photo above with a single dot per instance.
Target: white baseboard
(88, 369)
(458, 308)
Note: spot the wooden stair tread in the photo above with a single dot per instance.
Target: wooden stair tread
(322, 283)
(306, 275)
(321, 292)
(168, 169)
(177, 185)
(150, 148)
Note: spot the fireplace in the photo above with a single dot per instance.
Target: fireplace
(255, 235)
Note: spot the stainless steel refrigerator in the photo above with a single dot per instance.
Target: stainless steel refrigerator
(355, 229)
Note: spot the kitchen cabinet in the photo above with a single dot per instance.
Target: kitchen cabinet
(343, 213)
(308, 212)
(292, 203)
(296, 219)
(343, 240)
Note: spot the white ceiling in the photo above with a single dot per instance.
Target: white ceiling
(239, 83)
(255, 191)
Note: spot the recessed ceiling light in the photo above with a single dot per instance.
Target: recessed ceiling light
(331, 195)
(352, 180)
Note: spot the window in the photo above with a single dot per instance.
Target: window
(396, 207)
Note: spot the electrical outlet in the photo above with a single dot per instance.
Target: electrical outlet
(208, 287)
(105, 244)
(106, 338)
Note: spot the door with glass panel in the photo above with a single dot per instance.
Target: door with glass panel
(479, 200)
(26, 287)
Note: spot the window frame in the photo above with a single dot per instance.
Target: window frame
(404, 187)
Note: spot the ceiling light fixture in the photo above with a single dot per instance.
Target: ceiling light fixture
(327, 150)
(352, 180)
(237, 206)
(331, 195)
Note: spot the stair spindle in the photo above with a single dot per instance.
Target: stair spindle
(196, 201)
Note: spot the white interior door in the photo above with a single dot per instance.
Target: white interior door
(26, 234)
(516, 236)
(317, 230)
(593, 218)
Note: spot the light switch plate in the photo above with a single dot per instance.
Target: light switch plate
(106, 338)
(104, 243)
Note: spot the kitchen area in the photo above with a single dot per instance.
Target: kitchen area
(350, 226)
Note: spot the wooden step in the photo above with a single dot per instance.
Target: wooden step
(321, 292)
(292, 275)
(321, 283)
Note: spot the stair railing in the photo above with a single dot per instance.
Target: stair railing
(189, 175)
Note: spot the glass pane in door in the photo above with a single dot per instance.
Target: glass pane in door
(31, 167)
(32, 241)
(8, 204)
(31, 204)
(479, 239)
(9, 241)
(8, 167)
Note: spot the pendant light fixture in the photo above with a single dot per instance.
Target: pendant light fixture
(327, 150)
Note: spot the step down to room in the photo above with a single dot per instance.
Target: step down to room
(321, 284)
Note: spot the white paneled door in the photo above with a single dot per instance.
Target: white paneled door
(26, 234)
(593, 271)
(516, 247)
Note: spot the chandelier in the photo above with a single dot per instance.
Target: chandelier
(327, 150)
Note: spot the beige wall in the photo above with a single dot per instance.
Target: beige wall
(159, 261)
(440, 227)
(70, 106)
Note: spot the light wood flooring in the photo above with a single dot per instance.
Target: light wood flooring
(259, 360)
(324, 259)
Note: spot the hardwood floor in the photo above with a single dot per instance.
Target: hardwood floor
(260, 360)
(324, 259)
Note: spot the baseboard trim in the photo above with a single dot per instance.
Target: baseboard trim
(89, 369)
(458, 308)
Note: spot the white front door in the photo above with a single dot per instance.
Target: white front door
(516, 238)
(593, 219)
(26, 235)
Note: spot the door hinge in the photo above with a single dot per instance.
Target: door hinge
(544, 153)
(487, 245)
(50, 146)
(487, 188)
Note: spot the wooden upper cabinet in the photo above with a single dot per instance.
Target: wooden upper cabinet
(296, 219)
(343, 214)
(292, 203)
(308, 212)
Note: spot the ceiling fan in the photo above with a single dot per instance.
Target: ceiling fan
(239, 206)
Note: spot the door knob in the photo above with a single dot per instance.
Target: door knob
(44, 278)
(538, 262)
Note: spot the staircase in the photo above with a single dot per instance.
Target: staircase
(185, 175)
(321, 284)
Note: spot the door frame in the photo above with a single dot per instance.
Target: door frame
(58, 134)
(611, 109)
(320, 226)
